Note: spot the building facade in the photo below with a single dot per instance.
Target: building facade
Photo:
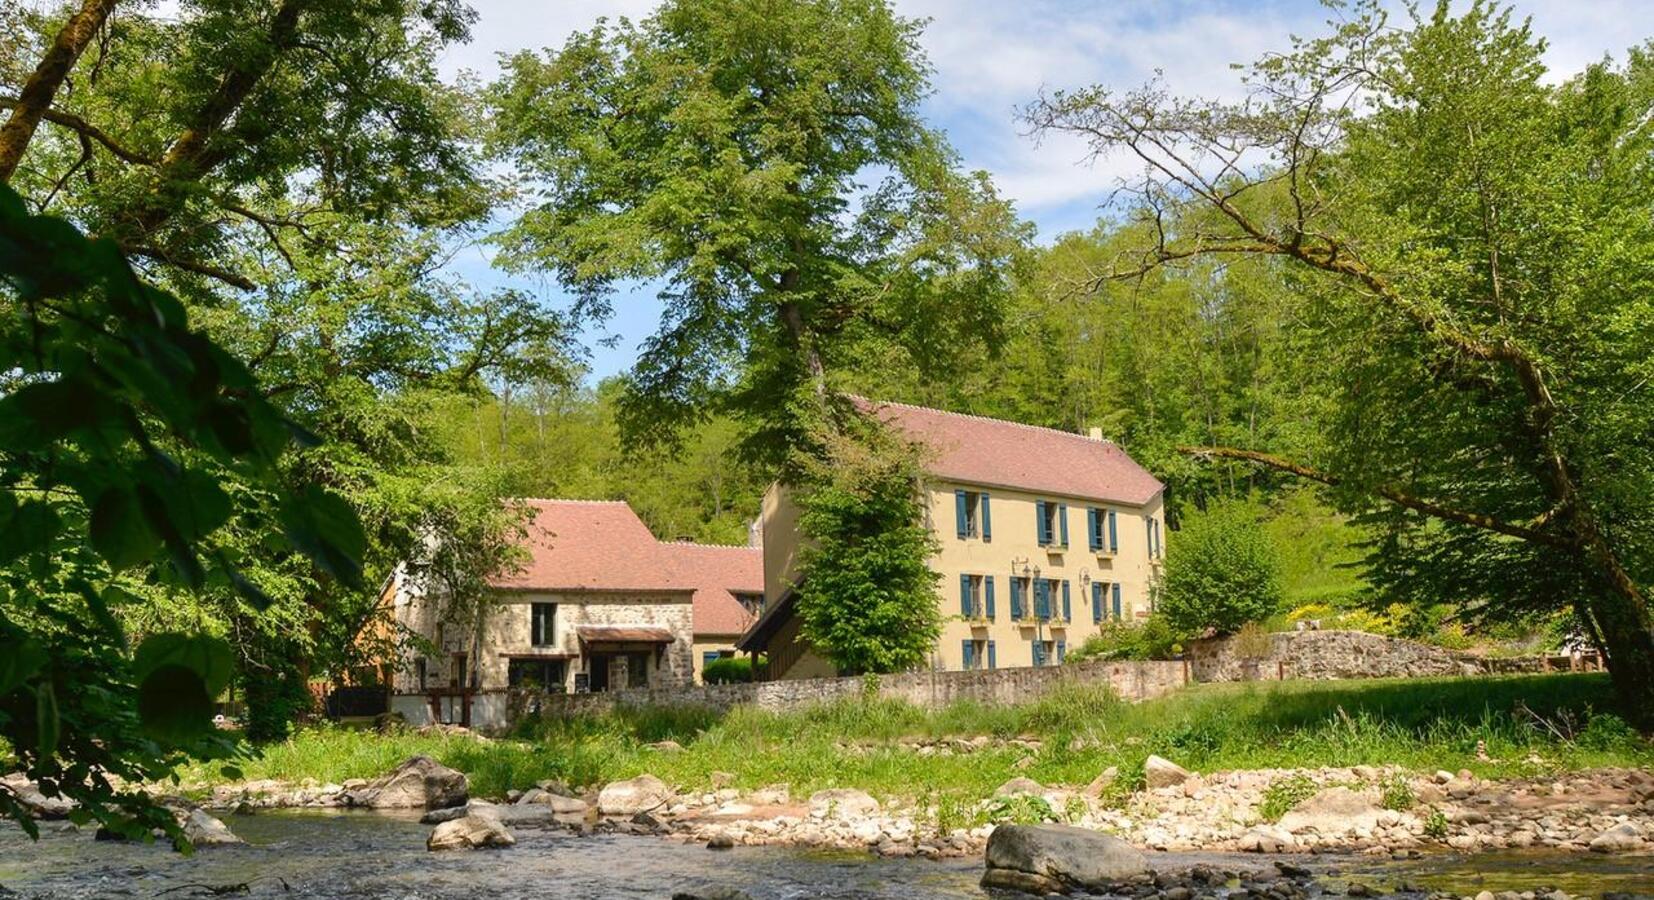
(599, 604)
(1045, 537)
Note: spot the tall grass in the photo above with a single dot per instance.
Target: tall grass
(1423, 724)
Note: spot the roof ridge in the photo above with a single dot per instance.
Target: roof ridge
(564, 500)
(706, 546)
(982, 418)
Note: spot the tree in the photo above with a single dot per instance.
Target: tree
(298, 175)
(1222, 572)
(867, 597)
(1483, 348)
(121, 427)
(720, 148)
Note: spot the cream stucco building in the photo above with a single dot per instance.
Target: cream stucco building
(1045, 535)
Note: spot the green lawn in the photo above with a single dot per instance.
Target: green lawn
(1424, 724)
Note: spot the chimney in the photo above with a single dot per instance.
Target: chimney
(1094, 433)
(755, 533)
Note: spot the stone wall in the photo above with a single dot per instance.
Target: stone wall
(1323, 655)
(1131, 680)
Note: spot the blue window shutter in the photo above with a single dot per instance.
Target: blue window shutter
(1091, 535)
(1039, 523)
(1062, 651)
(1042, 598)
(984, 512)
(1113, 534)
(959, 512)
(1096, 601)
(1062, 522)
(991, 660)
(965, 648)
(965, 596)
(1039, 653)
(1016, 598)
(1067, 616)
(988, 588)
(1116, 601)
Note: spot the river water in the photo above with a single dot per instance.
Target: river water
(309, 854)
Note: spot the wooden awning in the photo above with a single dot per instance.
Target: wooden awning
(624, 634)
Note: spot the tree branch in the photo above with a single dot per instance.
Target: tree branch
(189, 265)
(48, 75)
(85, 129)
(1394, 495)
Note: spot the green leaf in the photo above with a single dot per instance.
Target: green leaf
(46, 719)
(118, 530)
(20, 659)
(325, 528)
(196, 504)
(29, 527)
(174, 704)
(209, 658)
(231, 772)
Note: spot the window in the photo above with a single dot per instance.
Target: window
(1051, 519)
(543, 624)
(976, 596)
(1152, 525)
(544, 674)
(1042, 653)
(1020, 602)
(752, 601)
(456, 670)
(709, 656)
(637, 670)
(419, 671)
(972, 515)
(1102, 531)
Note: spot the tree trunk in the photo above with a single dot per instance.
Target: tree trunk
(1629, 644)
(47, 77)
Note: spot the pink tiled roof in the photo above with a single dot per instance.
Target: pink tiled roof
(717, 572)
(978, 450)
(594, 545)
(602, 545)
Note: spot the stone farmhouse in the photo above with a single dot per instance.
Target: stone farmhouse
(600, 604)
(1045, 535)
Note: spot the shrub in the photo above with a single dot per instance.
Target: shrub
(1606, 731)
(728, 670)
(1435, 825)
(1282, 795)
(1152, 639)
(1395, 793)
(1021, 809)
(1222, 571)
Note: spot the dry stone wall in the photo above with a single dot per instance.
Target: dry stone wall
(1324, 655)
(1131, 680)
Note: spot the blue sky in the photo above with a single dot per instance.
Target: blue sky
(993, 56)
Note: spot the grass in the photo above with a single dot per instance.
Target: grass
(1422, 724)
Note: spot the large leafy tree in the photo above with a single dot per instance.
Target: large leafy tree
(1476, 246)
(298, 175)
(766, 164)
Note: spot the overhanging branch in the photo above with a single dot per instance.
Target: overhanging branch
(1392, 494)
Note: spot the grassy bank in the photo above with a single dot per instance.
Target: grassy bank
(1527, 724)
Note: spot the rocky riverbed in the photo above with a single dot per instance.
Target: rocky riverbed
(1376, 810)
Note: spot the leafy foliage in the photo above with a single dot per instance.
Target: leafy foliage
(866, 596)
(1283, 794)
(728, 670)
(122, 423)
(1152, 638)
(721, 148)
(1222, 572)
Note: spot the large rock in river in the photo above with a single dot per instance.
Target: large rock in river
(1045, 859)
(28, 795)
(477, 830)
(204, 830)
(419, 783)
(633, 796)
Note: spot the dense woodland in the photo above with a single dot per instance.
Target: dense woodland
(1395, 308)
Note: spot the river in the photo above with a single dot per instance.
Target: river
(308, 854)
